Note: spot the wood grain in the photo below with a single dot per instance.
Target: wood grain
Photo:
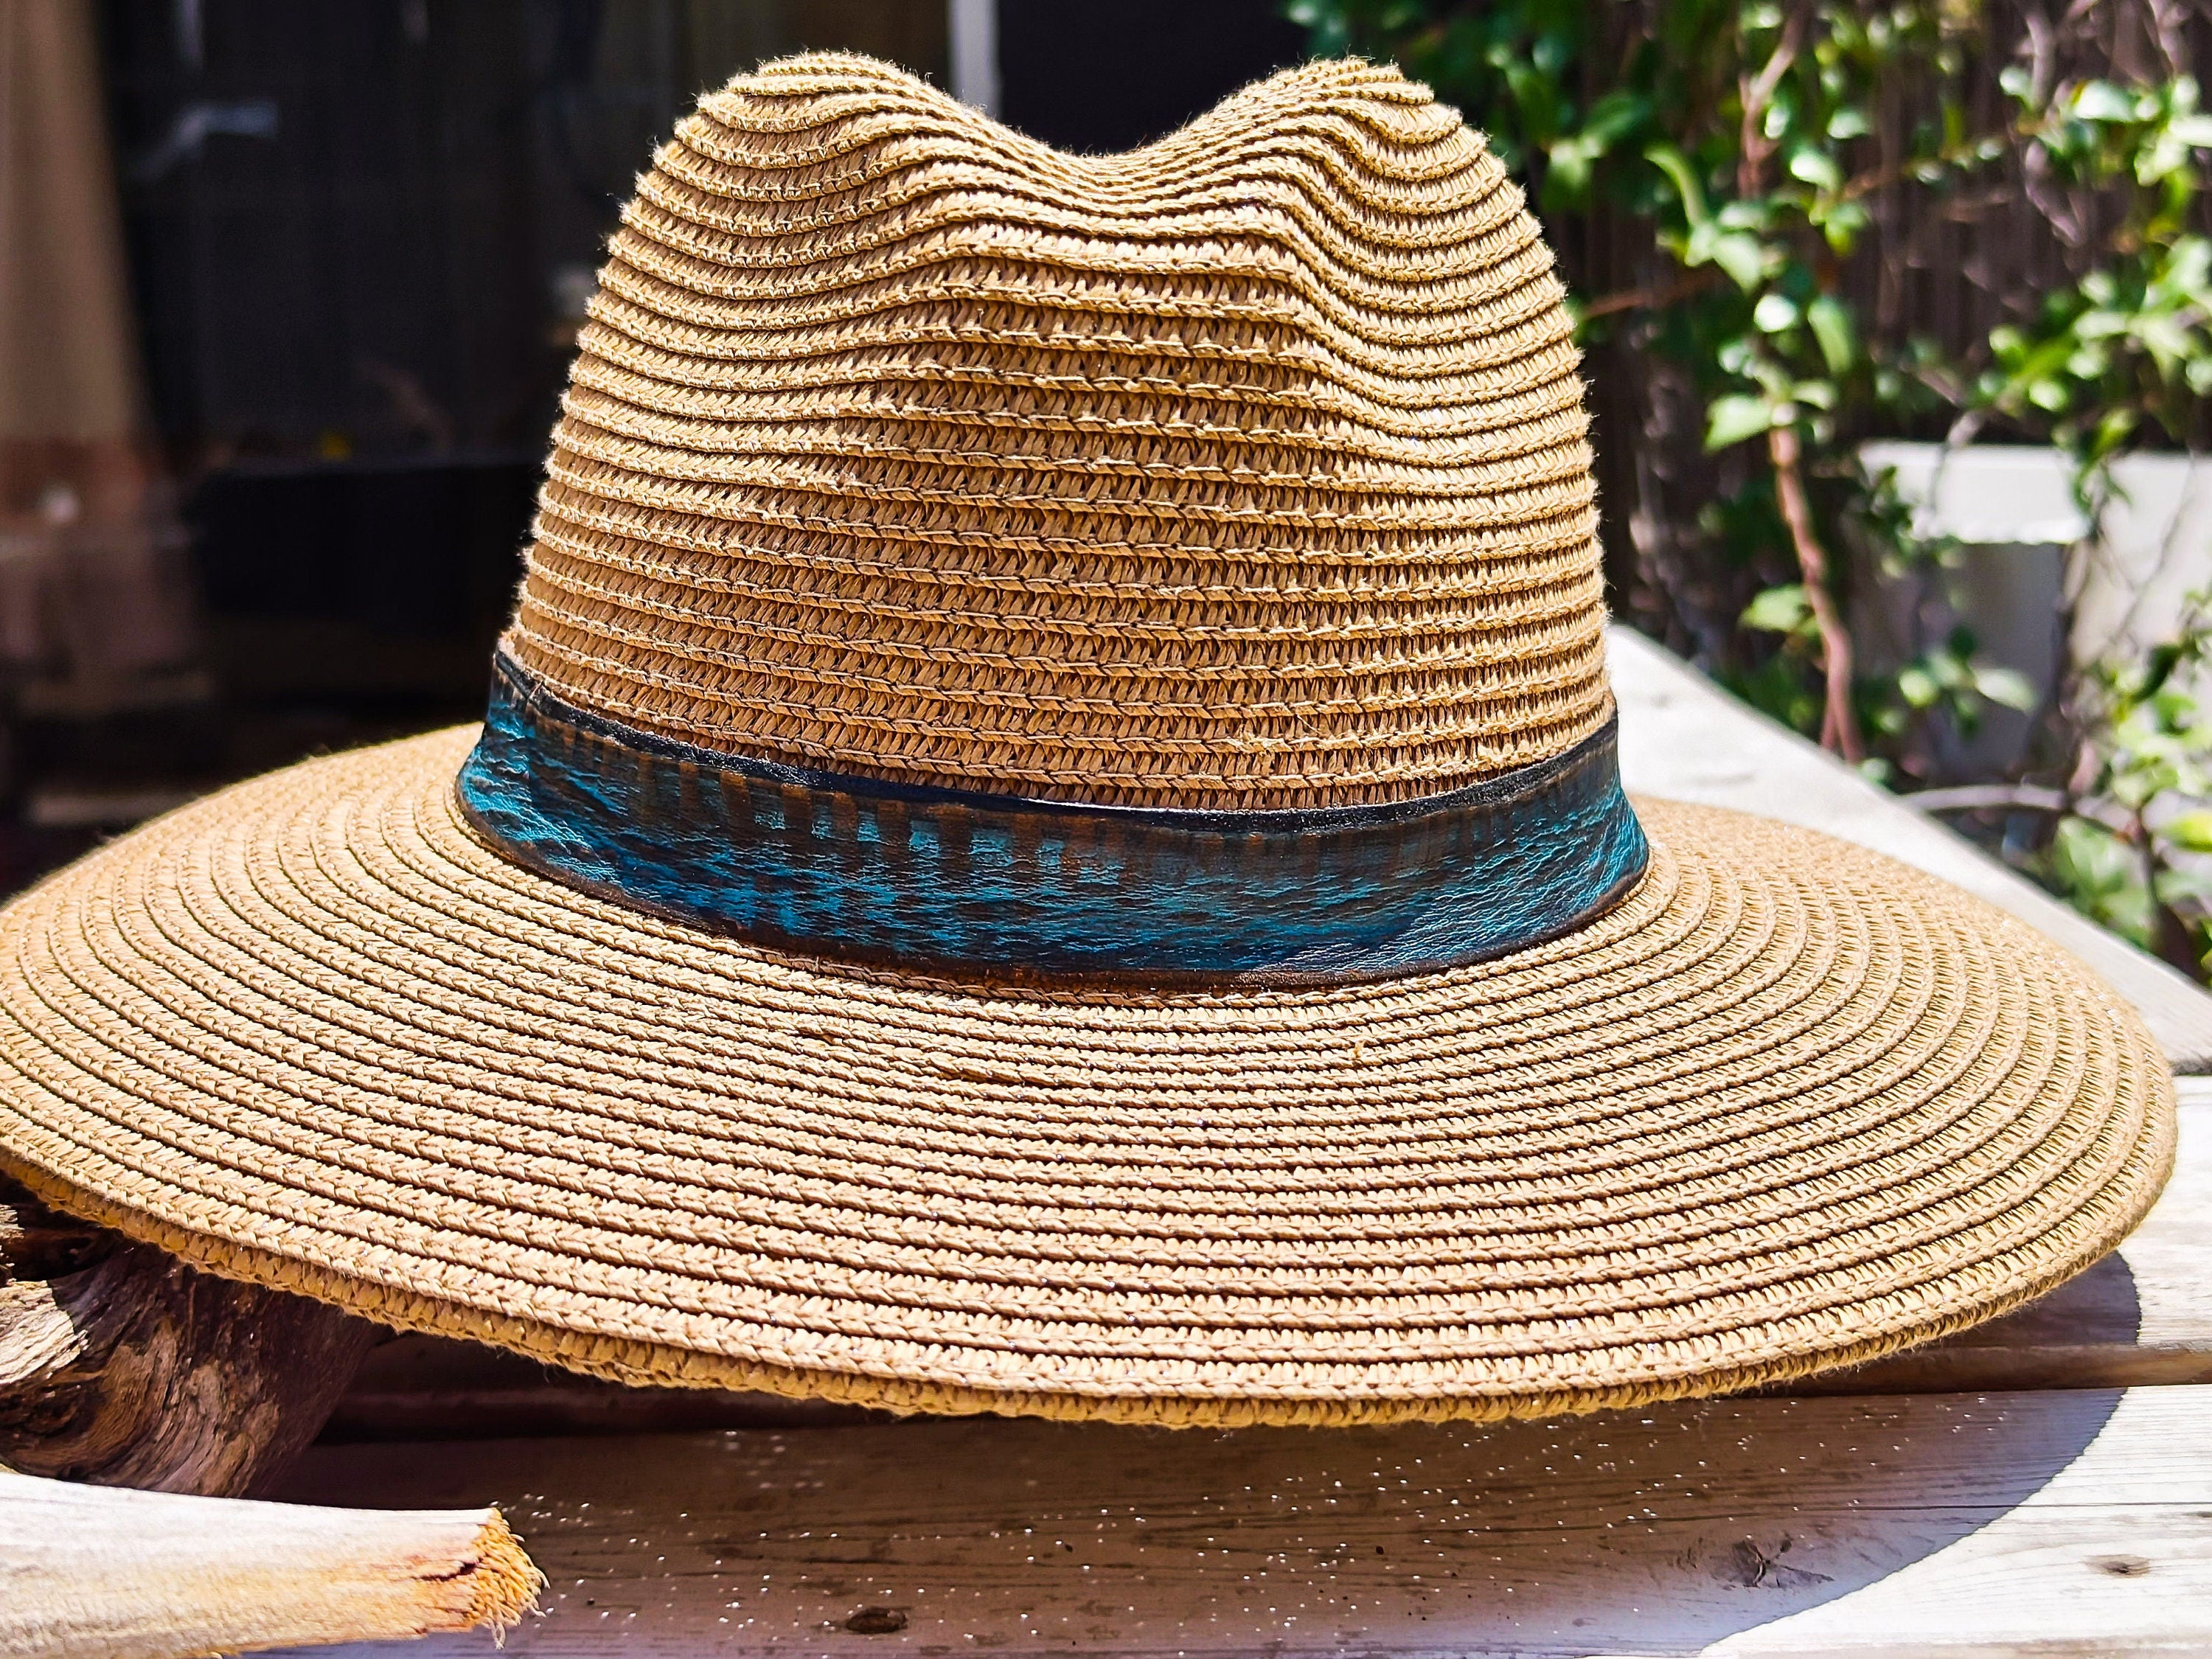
(124, 1575)
(120, 1365)
(2077, 1521)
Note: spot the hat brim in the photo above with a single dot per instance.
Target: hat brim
(1790, 1105)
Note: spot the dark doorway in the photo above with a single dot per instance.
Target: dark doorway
(1102, 78)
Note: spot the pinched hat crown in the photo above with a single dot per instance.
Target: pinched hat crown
(1047, 838)
(1243, 471)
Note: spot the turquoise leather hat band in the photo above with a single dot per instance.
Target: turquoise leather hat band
(1001, 888)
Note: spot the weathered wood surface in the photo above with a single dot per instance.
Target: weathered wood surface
(1681, 736)
(2073, 1521)
(92, 1573)
(120, 1365)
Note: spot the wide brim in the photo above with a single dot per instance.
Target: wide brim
(1790, 1105)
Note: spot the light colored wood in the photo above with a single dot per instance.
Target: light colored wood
(120, 1365)
(2077, 1521)
(1682, 737)
(105, 1574)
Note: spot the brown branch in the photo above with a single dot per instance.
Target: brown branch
(1840, 725)
(1754, 147)
(1862, 184)
(1652, 297)
(2022, 798)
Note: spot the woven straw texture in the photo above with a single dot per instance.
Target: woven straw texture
(1790, 1105)
(1247, 470)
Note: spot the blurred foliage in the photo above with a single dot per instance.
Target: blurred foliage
(1730, 183)
(2132, 844)
(2128, 346)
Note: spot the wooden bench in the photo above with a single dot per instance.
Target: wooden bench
(2043, 1484)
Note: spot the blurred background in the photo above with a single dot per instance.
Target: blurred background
(1897, 320)
(289, 292)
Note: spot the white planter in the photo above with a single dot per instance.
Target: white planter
(2012, 509)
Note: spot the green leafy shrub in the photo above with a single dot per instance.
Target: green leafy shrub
(1746, 195)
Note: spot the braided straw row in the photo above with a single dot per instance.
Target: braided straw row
(1247, 470)
(1790, 1105)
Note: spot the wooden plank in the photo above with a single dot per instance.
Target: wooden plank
(2071, 1523)
(1680, 735)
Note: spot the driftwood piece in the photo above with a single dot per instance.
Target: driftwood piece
(126, 1575)
(120, 1365)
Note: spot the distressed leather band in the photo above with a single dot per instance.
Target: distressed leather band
(999, 887)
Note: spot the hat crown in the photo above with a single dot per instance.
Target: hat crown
(1243, 470)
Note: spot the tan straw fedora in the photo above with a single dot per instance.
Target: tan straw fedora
(1047, 839)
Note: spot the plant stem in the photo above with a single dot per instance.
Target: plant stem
(1839, 722)
(1755, 93)
(1656, 297)
(2023, 798)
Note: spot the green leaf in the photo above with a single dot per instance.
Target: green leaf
(2005, 688)
(1842, 224)
(1732, 419)
(1574, 155)
(1917, 686)
(1742, 256)
(2191, 832)
(2100, 101)
(1671, 162)
(1816, 167)
(2101, 874)
(1774, 313)
(1830, 320)
(1778, 611)
(1615, 116)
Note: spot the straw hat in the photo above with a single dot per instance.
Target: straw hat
(1048, 840)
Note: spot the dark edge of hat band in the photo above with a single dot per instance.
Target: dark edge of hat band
(972, 884)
